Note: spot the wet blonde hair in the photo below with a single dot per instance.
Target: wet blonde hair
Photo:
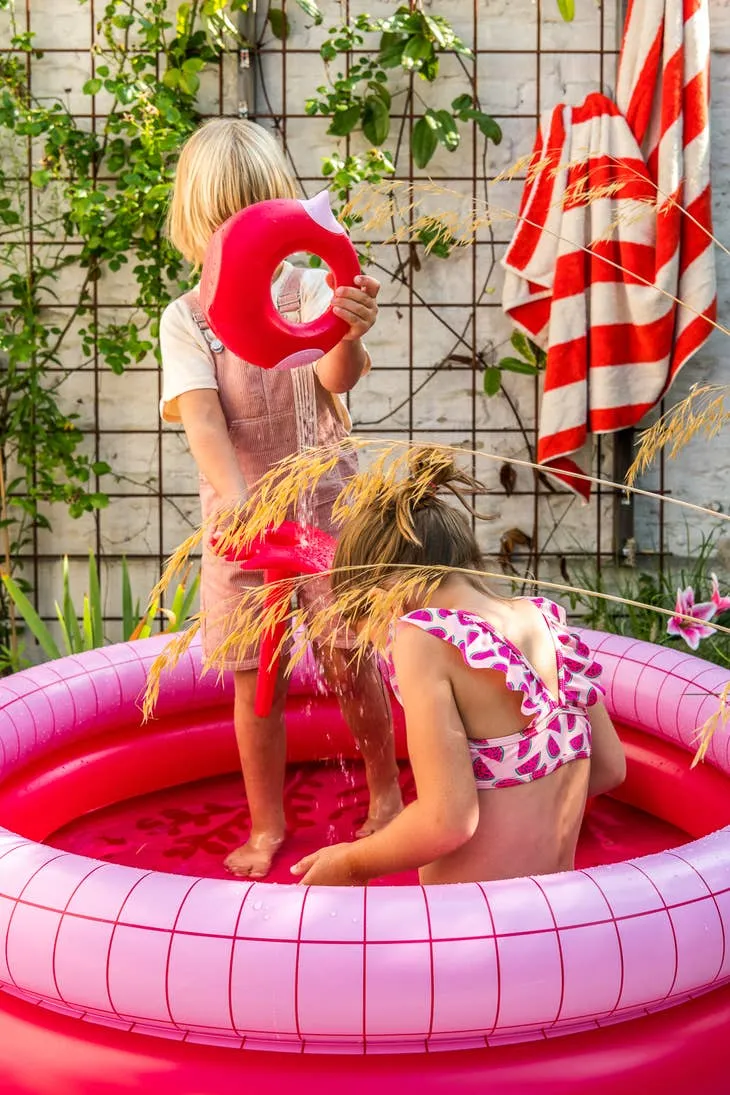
(227, 164)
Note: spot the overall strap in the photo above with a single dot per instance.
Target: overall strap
(193, 302)
(289, 299)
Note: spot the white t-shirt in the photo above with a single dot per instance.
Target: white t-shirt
(187, 361)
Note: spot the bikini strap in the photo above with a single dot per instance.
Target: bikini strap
(192, 300)
(578, 670)
(483, 648)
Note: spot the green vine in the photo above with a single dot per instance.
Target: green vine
(104, 195)
(531, 360)
(79, 207)
(377, 83)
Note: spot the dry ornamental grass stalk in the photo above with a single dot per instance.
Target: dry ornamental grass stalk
(278, 491)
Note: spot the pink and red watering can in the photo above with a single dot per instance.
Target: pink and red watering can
(284, 552)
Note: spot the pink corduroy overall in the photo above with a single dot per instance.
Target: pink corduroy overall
(259, 407)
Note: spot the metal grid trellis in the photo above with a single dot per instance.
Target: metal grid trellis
(439, 324)
(429, 362)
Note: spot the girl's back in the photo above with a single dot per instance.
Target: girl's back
(522, 686)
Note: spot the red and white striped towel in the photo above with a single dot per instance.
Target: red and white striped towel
(593, 279)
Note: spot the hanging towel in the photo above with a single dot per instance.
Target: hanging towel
(615, 223)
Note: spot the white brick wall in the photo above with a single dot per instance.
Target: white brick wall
(446, 408)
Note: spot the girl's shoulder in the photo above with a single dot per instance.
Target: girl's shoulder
(178, 315)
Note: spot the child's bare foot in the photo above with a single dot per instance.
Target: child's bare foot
(383, 808)
(254, 858)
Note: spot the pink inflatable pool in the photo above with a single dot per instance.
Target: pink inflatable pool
(609, 973)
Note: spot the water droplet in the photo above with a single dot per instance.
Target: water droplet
(267, 916)
(356, 919)
(257, 905)
(333, 913)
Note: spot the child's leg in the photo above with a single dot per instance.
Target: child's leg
(262, 749)
(366, 709)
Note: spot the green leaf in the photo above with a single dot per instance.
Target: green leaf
(437, 28)
(143, 630)
(129, 617)
(521, 343)
(31, 618)
(448, 134)
(416, 49)
(279, 23)
(567, 10)
(381, 91)
(189, 82)
(96, 615)
(40, 178)
(486, 123)
(190, 599)
(344, 121)
(73, 631)
(67, 640)
(461, 102)
(92, 87)
(492, 380)
(390, 54)
(375, 120)
(181, 20)
(515, 365)
(311, 9)
(171, 78)
(87, 626)
(424, 141)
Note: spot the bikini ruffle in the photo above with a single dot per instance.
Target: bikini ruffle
(483, 648)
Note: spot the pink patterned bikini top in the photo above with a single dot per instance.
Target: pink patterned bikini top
(559, 730)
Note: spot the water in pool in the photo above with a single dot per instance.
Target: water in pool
(190, 829)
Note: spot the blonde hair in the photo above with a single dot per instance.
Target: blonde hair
(226, 164)
(408, 526)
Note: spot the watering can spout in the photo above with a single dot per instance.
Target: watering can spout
(320, 210)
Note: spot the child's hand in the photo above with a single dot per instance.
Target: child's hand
(356, 305)
(328, 867)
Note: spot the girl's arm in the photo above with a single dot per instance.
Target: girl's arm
(608, 762)
(210, 444)
(340, 369)
(446, 812)
(190, 396)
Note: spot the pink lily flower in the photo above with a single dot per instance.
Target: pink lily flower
(692, 631)
(722, 604)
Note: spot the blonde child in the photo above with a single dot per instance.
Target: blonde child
(507, 735)
(240, 420)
